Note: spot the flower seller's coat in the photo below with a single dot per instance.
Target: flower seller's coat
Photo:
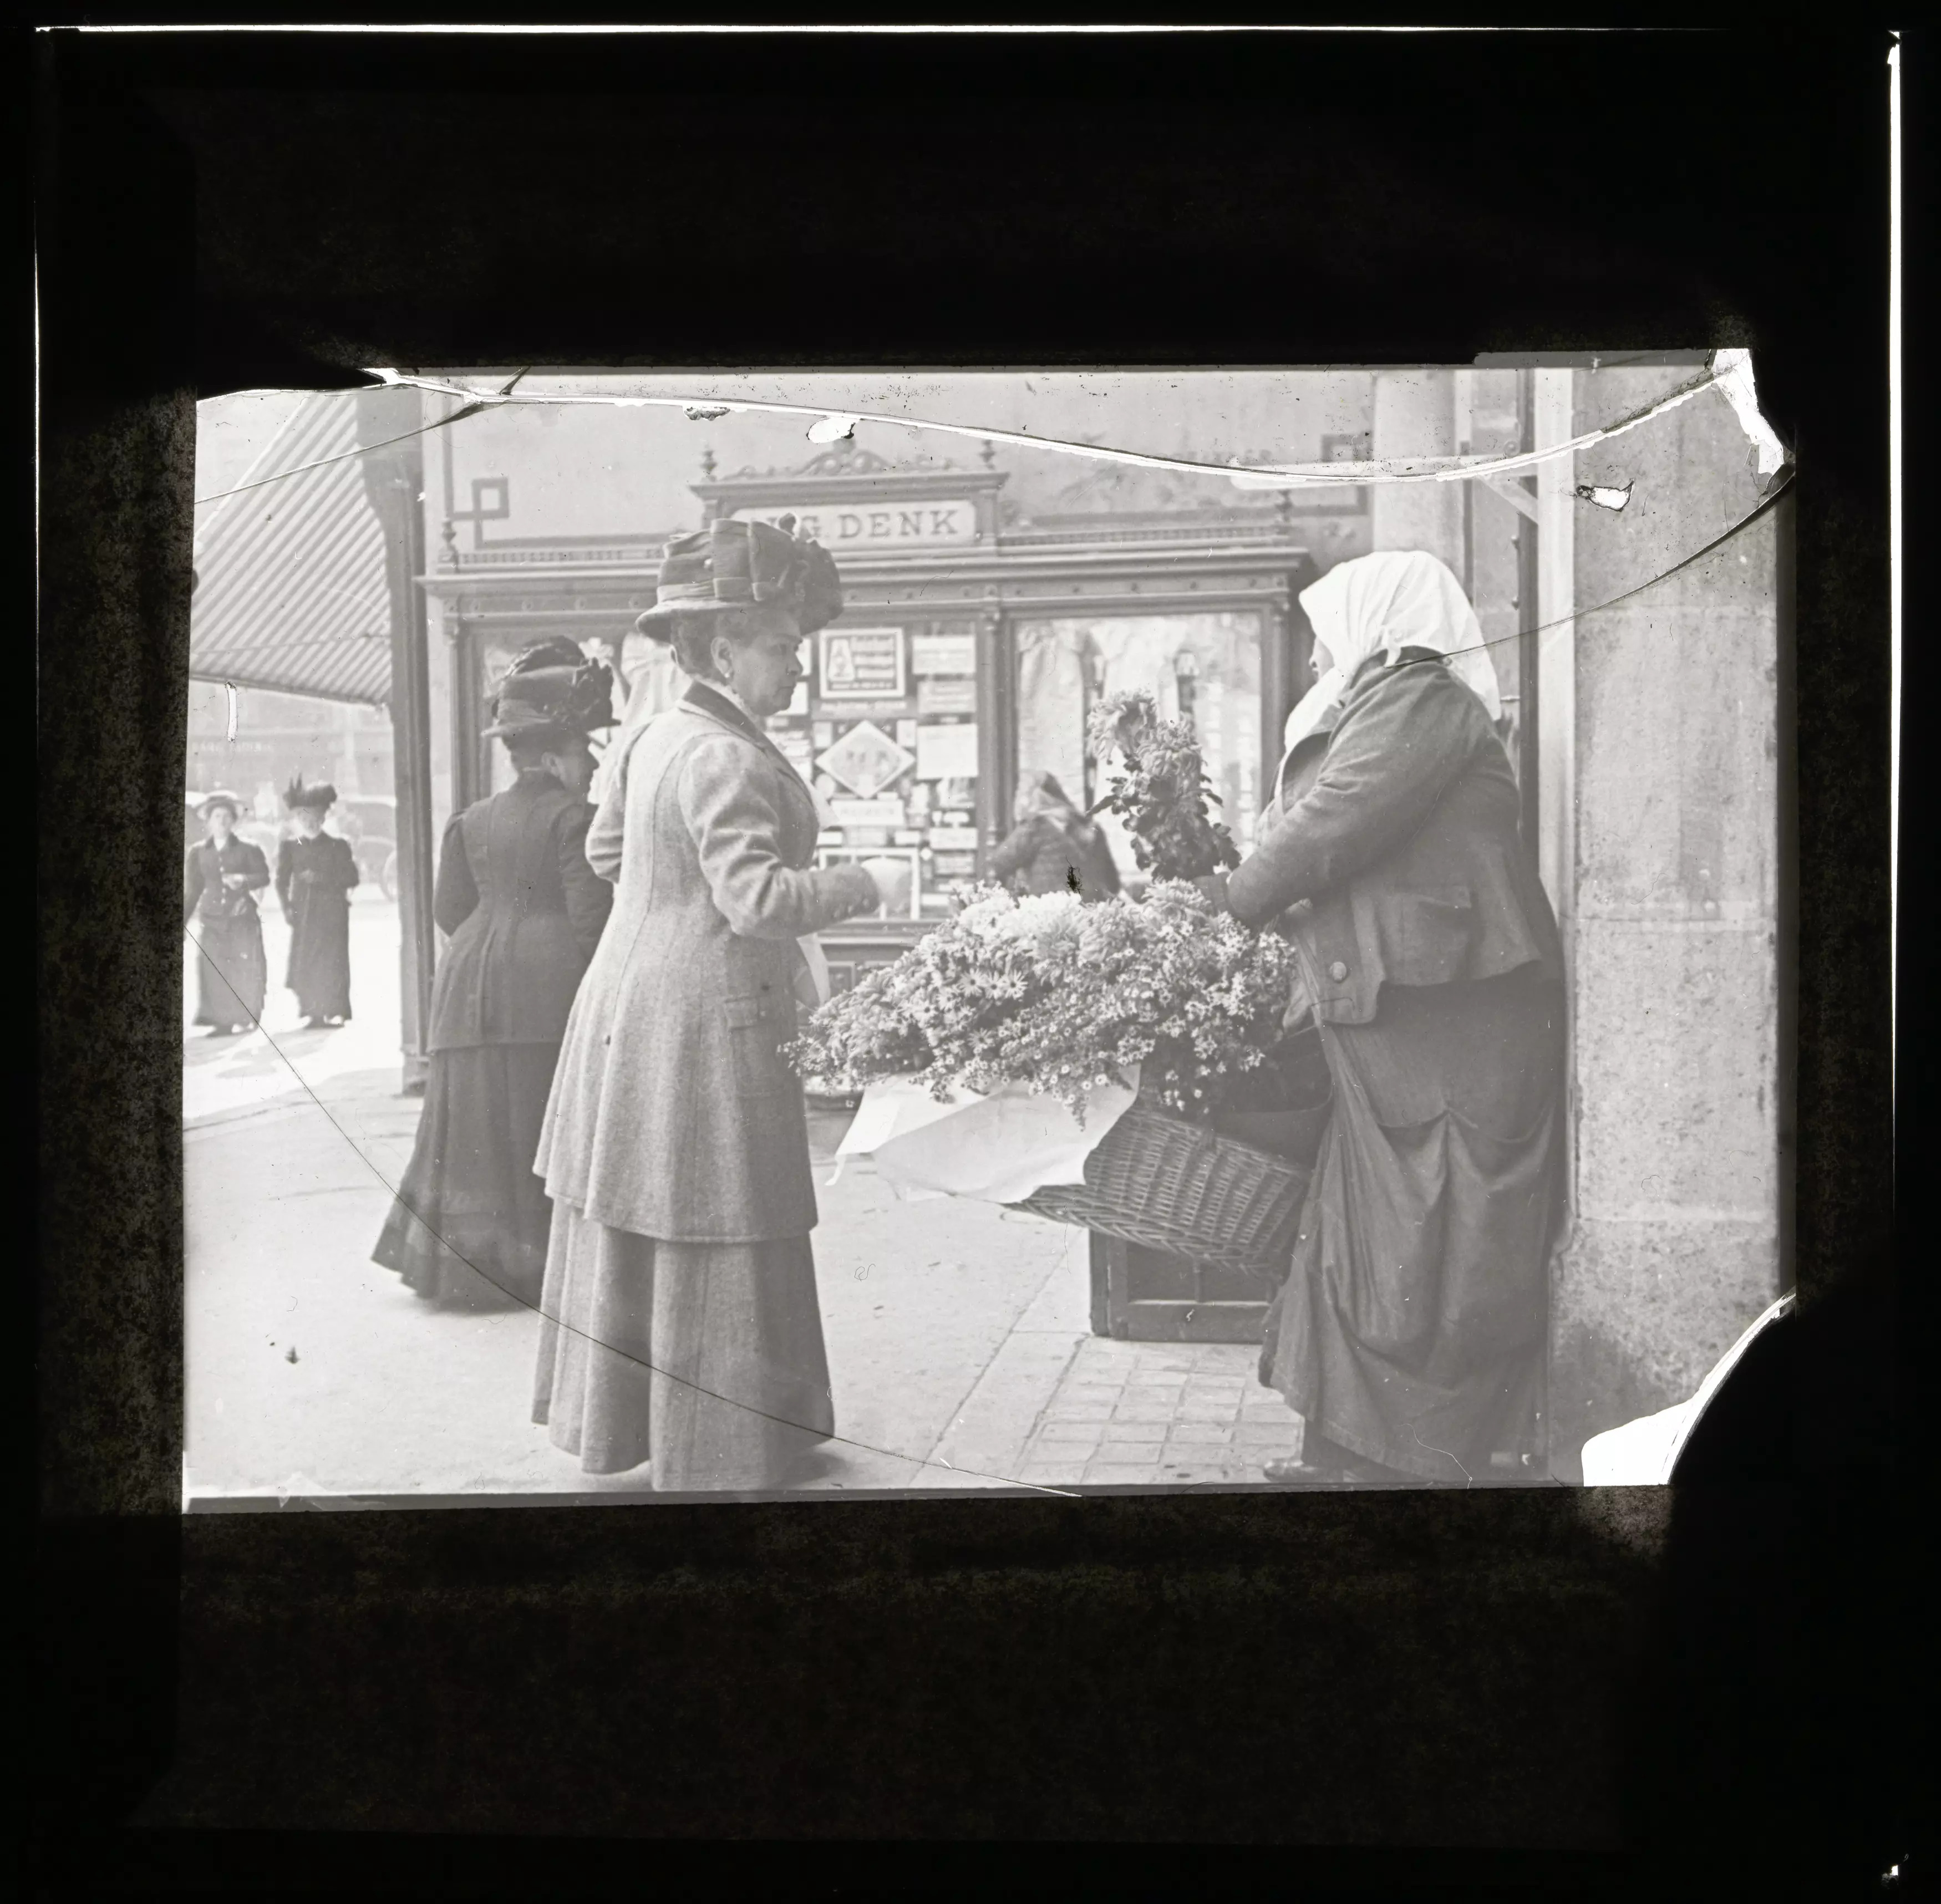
(1399, 861)
(673, 1115)
(1411, 1331)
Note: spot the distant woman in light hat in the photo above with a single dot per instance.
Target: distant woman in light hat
(315, 872)
(681, 1321)
(524, 911)
(223, 875)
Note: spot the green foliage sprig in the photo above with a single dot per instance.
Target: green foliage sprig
(1161, 790)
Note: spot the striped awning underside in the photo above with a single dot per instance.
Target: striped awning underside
(291, 589)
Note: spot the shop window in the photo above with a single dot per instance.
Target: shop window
(1203, 668)
(885, 729)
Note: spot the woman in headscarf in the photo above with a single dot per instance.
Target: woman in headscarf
(315, 873)
(681, 1319)
(220, 883)
(1053, 847)
(1410, 1334)
(523, 911)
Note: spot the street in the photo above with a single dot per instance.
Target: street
(958, 1340)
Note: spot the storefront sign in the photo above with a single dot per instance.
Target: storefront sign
(860, 664)
(954, 839)
(944, 654)
(946, 697)
(865, 760)
(885, 813)
(885, 526)
(947, 753)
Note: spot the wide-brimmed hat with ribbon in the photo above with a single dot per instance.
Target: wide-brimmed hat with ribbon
(551, 687)
(318, 797)
(221, 797)
(732, 564)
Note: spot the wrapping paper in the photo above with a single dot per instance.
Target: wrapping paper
(996, 1149)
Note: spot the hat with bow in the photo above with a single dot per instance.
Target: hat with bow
(551, 687)
(732, 564)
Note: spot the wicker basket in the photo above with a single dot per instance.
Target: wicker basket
(1168, 1185)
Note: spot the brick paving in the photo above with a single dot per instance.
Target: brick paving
(1147, 1413)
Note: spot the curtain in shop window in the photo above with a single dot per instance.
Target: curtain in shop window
(1052, 665)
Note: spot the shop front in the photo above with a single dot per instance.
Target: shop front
(968, 654)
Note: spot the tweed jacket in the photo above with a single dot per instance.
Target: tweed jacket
(1392, 856)
(672, 1114)
(524, 911)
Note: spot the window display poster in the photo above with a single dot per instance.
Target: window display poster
(946, 697)
(860, 665)
(946, 752)
(944, 654)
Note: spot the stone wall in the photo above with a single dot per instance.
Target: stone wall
(1674, 1245)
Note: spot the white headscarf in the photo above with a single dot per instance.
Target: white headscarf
(1377, 604)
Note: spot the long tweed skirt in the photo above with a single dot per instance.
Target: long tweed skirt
(468, 1227)
(706, 1360)
(1412, 1332)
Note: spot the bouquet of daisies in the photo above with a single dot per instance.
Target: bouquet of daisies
(1060, 996)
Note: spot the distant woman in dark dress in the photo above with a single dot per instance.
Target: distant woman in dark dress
(315, 872)
(524, 912)
(1053, 847)
(1411, 1333)
(222, 878)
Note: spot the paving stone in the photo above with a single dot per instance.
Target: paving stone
(1071, 1434)
(1202, 1432)
(1145, 1474)
(1142, 1411)
(1060, 1410)
(1134, 1431)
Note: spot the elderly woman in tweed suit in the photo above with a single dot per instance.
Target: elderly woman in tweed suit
(681, 1323)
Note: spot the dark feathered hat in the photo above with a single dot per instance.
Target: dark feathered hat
(732, 564)
(551, 687)
(319, 796)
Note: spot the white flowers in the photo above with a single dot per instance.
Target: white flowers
(1060, 995)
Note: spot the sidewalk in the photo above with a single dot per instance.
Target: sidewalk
(958, 1340)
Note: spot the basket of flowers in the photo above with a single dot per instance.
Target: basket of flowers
(1061, 996)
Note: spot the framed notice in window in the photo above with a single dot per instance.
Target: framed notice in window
(860, 665)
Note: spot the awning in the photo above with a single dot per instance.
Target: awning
(291, 591)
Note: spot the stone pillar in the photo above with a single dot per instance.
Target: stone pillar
(388, 420)
(1415, 416)
(1674, 1242)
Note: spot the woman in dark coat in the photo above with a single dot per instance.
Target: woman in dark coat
(524, 912)
(1053, 847)
(681, 1320)
(1411, 1333)
(222, 877)
(315, 872)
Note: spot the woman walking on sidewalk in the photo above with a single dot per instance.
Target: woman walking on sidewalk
(524, 912)
(315, 873)
(681, 1312)
(1411, 1333)
(220, 883)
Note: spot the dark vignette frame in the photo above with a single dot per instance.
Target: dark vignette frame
(1590, 1681)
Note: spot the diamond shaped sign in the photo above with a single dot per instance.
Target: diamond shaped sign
(865, 760)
